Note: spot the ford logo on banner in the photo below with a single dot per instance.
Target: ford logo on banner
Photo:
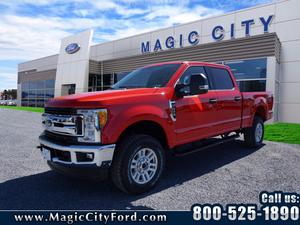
(72, 48)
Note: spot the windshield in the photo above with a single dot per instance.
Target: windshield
(148, 77)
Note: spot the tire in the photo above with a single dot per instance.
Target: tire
(253, 136)
(129, 167)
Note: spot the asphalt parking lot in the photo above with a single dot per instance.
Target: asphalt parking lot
(225, 174)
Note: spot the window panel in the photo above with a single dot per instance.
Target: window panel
(40, 84)
(221, 78)
(24, 102)
(120, 76)
(49, 93)
(25, 85)
(248, 69)
(32, 84)
(184, 79)
(40, 93)
(31, 102)
(49, 83)
(252, 85)
(24, 94)
(32, 93)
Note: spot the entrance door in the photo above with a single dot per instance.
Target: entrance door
(68, 89)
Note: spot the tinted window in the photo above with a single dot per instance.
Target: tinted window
(147, 77)
(221, 79)
(49, 83)
(248, 69)
(185, 78)
(120, 76)
(252, 85)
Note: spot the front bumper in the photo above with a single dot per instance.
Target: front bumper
(77, 155)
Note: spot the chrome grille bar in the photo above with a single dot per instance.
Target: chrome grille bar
(71, 125)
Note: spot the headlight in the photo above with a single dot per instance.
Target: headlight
(94, 121)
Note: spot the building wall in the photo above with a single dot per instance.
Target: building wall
(287, 28)
(45, 63)
(74, 68)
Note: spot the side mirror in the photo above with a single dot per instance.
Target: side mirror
(197, 84)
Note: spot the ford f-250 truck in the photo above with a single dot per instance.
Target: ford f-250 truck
(127, 131)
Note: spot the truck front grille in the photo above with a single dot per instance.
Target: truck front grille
(70, 125)
(60, 111)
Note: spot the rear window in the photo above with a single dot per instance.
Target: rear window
(221, 79)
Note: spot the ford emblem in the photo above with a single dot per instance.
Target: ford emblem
(72, 48)
(48, 123)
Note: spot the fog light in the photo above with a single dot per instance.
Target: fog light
(84, 157)
(90, 155)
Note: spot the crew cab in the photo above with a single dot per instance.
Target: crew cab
(127, 132)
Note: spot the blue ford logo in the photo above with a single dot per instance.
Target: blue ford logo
(72, 48)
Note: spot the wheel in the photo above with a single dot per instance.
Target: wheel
(137, 164)
(253, 136)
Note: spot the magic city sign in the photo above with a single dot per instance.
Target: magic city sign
(217, 34)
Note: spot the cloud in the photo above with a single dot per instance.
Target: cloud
(8, 80)
(32, 29)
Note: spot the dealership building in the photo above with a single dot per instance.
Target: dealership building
(261, 45)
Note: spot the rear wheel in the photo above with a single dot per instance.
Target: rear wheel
(254, 135)
(138, 164)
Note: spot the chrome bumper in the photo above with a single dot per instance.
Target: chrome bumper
(102, 155)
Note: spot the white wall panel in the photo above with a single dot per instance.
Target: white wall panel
(288, 93)
(287, 10)
(290, 51)
(288, 30)
(225, 21)
(289, 113)
(290, 72)
(255, 13)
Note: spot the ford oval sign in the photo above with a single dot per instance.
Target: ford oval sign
(72, 48)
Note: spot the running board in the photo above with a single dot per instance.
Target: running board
(221, 141)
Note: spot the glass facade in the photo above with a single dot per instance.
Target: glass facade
(99, 83)
(36, 93)
(250, 74)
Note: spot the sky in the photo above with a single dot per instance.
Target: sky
(31, 29)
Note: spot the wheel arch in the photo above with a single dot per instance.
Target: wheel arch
(147, 127)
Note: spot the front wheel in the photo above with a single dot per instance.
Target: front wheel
(138, 164)
(254, 135)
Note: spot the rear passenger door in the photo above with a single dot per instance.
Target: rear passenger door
(229, 100)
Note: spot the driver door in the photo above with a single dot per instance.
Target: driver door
(195, 114)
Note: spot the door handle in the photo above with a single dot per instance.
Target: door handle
(237, 98)
(212, 100)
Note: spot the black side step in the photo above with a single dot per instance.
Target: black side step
(218, 142)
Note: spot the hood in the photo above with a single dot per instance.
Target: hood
(103, 98)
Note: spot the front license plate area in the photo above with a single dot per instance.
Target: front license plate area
(46, 154)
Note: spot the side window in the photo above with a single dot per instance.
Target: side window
(184, 79)
(221, 79)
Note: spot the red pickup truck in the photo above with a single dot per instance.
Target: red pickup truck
(127, 131)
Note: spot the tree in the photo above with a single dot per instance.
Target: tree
(9, 94)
